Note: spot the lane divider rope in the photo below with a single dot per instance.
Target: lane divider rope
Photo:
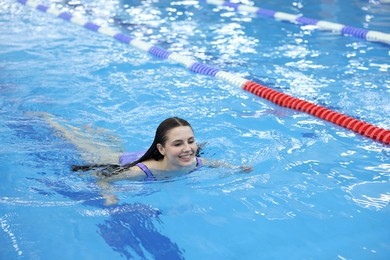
(279, 98)
(368, 35)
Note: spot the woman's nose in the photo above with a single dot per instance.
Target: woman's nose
(187, 147)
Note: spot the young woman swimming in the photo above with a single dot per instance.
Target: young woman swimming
(174, 150)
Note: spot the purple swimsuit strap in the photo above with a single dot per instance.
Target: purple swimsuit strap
(149, 174)
(198, 164)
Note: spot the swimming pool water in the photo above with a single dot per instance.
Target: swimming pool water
(317, 191)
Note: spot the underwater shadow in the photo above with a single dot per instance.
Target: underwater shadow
(130, 229)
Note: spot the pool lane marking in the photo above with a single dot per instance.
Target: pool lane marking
(276, 97)
(369, 35)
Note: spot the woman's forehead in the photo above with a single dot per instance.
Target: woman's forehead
(180, 133)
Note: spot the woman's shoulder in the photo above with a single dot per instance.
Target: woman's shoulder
(151, 164)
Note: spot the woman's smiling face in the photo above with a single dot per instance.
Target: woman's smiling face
(180, 147)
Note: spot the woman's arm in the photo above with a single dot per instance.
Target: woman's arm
(104, 183)
(109, 198)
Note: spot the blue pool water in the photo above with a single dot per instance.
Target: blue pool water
(317, 191)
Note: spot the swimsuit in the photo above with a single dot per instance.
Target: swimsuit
(149, 174)
(130, 157)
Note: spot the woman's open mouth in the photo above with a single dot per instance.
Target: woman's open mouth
(186, 157)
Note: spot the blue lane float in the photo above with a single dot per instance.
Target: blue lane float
(279, 98)
(369, 35)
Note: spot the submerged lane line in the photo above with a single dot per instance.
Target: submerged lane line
(279, 98)
(369, 35)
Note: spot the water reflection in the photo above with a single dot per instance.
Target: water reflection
(370, 194)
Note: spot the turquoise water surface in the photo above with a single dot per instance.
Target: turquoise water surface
(317, 191)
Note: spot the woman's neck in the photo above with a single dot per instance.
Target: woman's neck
(166, 166)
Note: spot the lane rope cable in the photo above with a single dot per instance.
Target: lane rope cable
(276, 97)
(369, 35)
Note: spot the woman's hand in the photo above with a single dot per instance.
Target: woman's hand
(110, 199)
